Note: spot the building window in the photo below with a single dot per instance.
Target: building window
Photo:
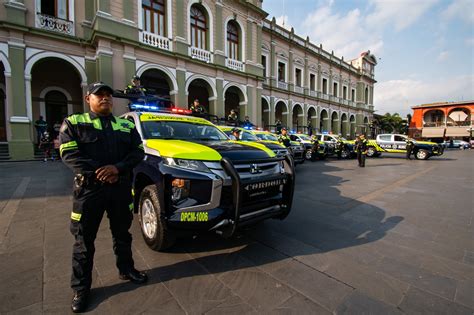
(198, 27)
(154, 16)
(232, 40)
(281, 72)
(335, 89)
(56, 8)
(298, 77)
(325, 86)
(344, 92)
(312, 82)
(264, 64)
(366, 95)
(353, 95)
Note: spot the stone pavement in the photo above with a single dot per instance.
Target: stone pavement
(395, 237)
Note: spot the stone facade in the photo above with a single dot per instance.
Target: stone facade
(49, 54)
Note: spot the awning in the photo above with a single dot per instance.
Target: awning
(435, 132)
(457, 131)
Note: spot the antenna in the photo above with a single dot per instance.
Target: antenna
(284, 13)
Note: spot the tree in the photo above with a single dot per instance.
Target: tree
(393, 123)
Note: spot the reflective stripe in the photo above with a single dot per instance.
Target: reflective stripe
(85, 118)
(190, 119)
(130, 206)
(71, 145)
(76, 216)
(122, 125)
(140, 146)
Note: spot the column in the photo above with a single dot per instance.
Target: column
(291, 72)
(220, 102)
(221, 31)
(181, 41)
(273, 65)
(181, 99)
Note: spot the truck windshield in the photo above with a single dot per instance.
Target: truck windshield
(305, 137)
(267, 136)
(179, 130)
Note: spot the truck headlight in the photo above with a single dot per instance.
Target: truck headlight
(192, 165)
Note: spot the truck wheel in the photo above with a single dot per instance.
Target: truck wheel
(345, 154)
(152, 223)
(422, 155)
(371, 152)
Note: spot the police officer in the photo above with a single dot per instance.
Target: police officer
(361, 148)
(101, 150)
(315, 147)
(197, 108)
(284, 138)
(340, 146)
(135, 88)
(409, 147)
(235, 134)
(232, 118)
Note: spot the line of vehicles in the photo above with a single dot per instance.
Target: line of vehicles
(195, 178)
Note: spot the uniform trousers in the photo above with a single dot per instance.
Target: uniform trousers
(91, 203)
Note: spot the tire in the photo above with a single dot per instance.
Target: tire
(345, 154)
(422, 155)
(152, 223)
(371, 152)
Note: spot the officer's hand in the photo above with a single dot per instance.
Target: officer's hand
(112, 179)
(105, 172)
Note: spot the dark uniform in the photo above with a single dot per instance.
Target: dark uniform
(197, 109)
(340, 146)
(361, 148)
(285, 140)
(409, 147)
(88, 142)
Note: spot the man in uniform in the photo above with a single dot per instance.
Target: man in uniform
(235, 134)
(361, 148)
(232, 118)
(284, 138)
(41, 126)
(409, 147)
(340, 146)
(101, 150)
(197, 108)
(135, 88)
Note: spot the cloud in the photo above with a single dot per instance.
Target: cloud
(460, 9)
(400, 95)
(333, 29)
(401, 13)
(444, 55)
(283, 22)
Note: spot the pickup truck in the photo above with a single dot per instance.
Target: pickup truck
(396, 143)
(330, 140)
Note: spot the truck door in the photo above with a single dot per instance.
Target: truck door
(399, 143)
(385, 142)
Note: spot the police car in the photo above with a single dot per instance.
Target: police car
(296, 149)
(308, 144)
(396, 143)
(194, 178)
(331, 140)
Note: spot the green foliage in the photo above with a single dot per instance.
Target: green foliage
(393, 123)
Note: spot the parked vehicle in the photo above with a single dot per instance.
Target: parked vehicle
(396, 143)
(331, 140)
(457, 144)
(308, 143)
(194, 179)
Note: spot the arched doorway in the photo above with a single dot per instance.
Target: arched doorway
(56, 107)
(265, 114)
(156, 82)
(459, 117)
(297, 118)
(55, 89)
(365, 127)
(201, 90)
(345, 132)
(233, 97)
(312, 116)
(281, 113)
(335, 123)
(434, 118)
(324, 123)
(3, 119)
(352, 122)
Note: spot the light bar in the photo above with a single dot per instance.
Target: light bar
(181, 110)
(154, 108)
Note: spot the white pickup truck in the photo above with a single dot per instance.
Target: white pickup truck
(396, 143)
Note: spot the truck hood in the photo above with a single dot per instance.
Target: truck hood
(207, 150)
(425, 142)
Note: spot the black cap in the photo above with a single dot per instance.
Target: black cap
(96, 86)
(235, 130)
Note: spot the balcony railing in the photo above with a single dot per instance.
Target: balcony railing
(282, 85)
(200, 54)
(325, 96)
(234, 64)
(299, 89)
(313, 93)
(54, 24)
(155, 40)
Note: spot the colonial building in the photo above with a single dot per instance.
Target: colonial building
(224, 53)
(438, 121)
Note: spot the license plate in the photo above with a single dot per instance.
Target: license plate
(195, 216)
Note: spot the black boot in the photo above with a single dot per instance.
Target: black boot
(79, 301)
(134, 276)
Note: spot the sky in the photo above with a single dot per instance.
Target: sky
(424, 48)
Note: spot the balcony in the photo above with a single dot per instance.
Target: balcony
(325, 97)
(313, 93)
(299, 89)
(200, 54)
(155, 40)
(282, 85)
(54, 24)
(234, 64)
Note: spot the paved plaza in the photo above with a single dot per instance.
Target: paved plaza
(395, 237)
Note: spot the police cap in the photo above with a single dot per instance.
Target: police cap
(235, 130)
(95, 87)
